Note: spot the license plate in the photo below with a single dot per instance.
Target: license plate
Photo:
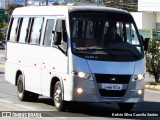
(113, 86)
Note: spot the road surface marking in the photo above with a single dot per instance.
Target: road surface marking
(6, 101)
(24, 106)
(61, 117)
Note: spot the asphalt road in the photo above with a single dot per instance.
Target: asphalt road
(10, 105)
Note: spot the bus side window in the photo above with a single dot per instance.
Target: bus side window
(9, 29)
(19, 28)
(36, 30)
(48, 32)
(24, 30)
(12, 34)
(60, 30)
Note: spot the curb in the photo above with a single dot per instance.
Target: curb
(153, 87)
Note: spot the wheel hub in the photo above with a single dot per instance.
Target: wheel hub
(57, 97)
(20, 87)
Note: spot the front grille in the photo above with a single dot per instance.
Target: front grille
(108, 78)
(112, 79)
(112, 93)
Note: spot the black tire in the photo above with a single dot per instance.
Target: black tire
(126, 106)
(59, 103)
(22, 94)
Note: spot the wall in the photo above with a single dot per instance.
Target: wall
(137, 18)
(145, 20)
(149, 5)
(3, 4)
(149, 21)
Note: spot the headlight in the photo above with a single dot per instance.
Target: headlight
(81, 74)
(139, 77)
(79, 90)
(140, 92)
(84, 75)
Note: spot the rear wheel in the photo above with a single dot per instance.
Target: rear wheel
(59, 103)
(126, 106)
(22, 94)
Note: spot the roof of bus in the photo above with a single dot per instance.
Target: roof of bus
(40, 10)
(61, 10)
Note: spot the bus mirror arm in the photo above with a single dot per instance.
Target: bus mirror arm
(64, 52)
(146, 44)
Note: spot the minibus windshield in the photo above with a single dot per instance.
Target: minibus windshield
(108, 36)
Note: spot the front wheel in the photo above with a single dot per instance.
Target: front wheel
(126, 106)
(59, 103)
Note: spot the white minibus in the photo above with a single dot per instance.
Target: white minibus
(75, 54)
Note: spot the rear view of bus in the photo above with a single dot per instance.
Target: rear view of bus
(78, 53)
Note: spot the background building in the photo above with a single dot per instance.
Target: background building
(3, 4)
(148, 18)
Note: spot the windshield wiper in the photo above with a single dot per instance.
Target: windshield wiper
(94, 49)
(134, 54)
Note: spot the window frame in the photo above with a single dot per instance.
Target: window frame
(45, 27)
(31, 29)
(27, 30)
(15, 31)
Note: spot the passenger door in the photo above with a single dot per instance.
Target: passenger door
(47, 57)
(54, 61)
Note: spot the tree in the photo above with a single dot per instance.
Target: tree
(3, 22)
(9, 10)
(3, 26)
(129, 5)
(153, 59)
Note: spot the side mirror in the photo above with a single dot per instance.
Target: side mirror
(146, 44)
(57, 38)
